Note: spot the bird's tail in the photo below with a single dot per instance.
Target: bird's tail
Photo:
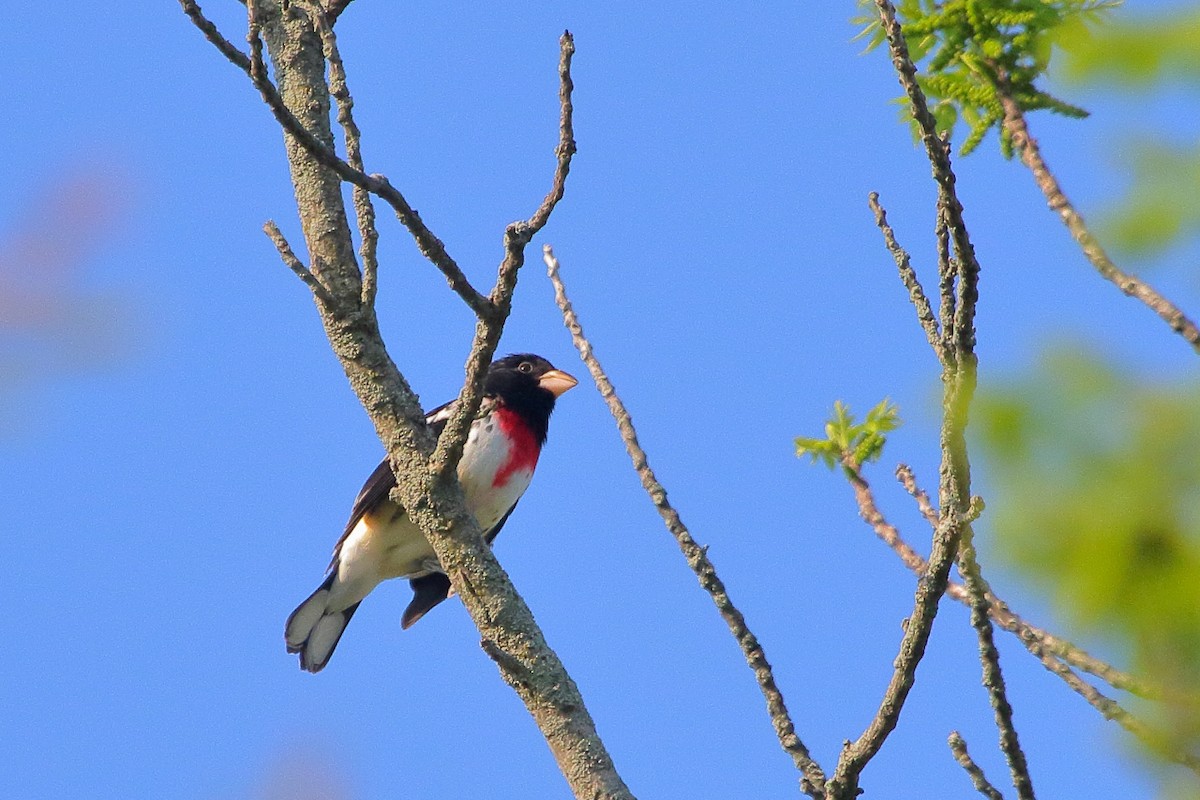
(313, 629)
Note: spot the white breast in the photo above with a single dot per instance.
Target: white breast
(486, 453)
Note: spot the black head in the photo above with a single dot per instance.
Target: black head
(529, 385)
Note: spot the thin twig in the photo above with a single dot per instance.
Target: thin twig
(430, 246)
(516, 238)
(364, 209)
(1004, 616)
(1112, 710)
(959, 747)
(206, 26)
(813, 777)
(909, 276)
(296, 265)
(1047, 648)
(938, 151)
(1131, 285)
(933, 584)
(989, 657)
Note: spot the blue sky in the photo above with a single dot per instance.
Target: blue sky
(177, 475)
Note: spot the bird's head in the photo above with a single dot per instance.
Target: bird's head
(529, 385)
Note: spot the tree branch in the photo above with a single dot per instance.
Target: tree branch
(993, 678)
(436, 506)
(1031, 157)
(516, 237)
(364, 209)
(1005, 617)
(1050, 650)
(322, 152)
(909, 276)
(978, 779)
(813, 778)
(295, 264)
(957, 356)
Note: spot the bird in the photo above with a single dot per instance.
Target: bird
(380, 542)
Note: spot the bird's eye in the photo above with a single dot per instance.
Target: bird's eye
(525, 367)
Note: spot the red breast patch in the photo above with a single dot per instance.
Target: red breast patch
(522, 449)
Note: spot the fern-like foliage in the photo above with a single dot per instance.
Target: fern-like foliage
(966, 47)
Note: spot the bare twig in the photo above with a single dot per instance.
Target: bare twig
(959, 747)
(430, 246)
(813, 778)
(1004, 616)
(1112, 710)
(295, 264)
(227, 48)
(908, 276)
(938, 151)
(516, 237)
(1131, 285)
(993, 678)
(1050, 650)
(931, 587)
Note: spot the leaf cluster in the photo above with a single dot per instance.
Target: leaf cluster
(847, 441)
(970, 49)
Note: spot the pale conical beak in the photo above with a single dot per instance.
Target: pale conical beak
(556, 382)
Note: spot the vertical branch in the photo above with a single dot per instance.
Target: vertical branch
(813, 778)
(993, 679)
(959, 381)
(364, 209)
(958, 283)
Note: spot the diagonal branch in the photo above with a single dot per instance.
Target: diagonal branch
(959, 748)
(429, 245)
(813, 780)
(296, 265)
(1054, 653)
(993, 678)
(1131, 285)
(1029, 634)
(909, 276)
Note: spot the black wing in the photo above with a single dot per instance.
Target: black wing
(381, 482)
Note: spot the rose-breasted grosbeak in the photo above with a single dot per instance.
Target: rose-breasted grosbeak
(381, 542)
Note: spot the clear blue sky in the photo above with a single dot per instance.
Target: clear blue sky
(173, 489)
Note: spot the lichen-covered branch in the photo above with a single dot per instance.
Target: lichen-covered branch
(432, 496)
(813, 777)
